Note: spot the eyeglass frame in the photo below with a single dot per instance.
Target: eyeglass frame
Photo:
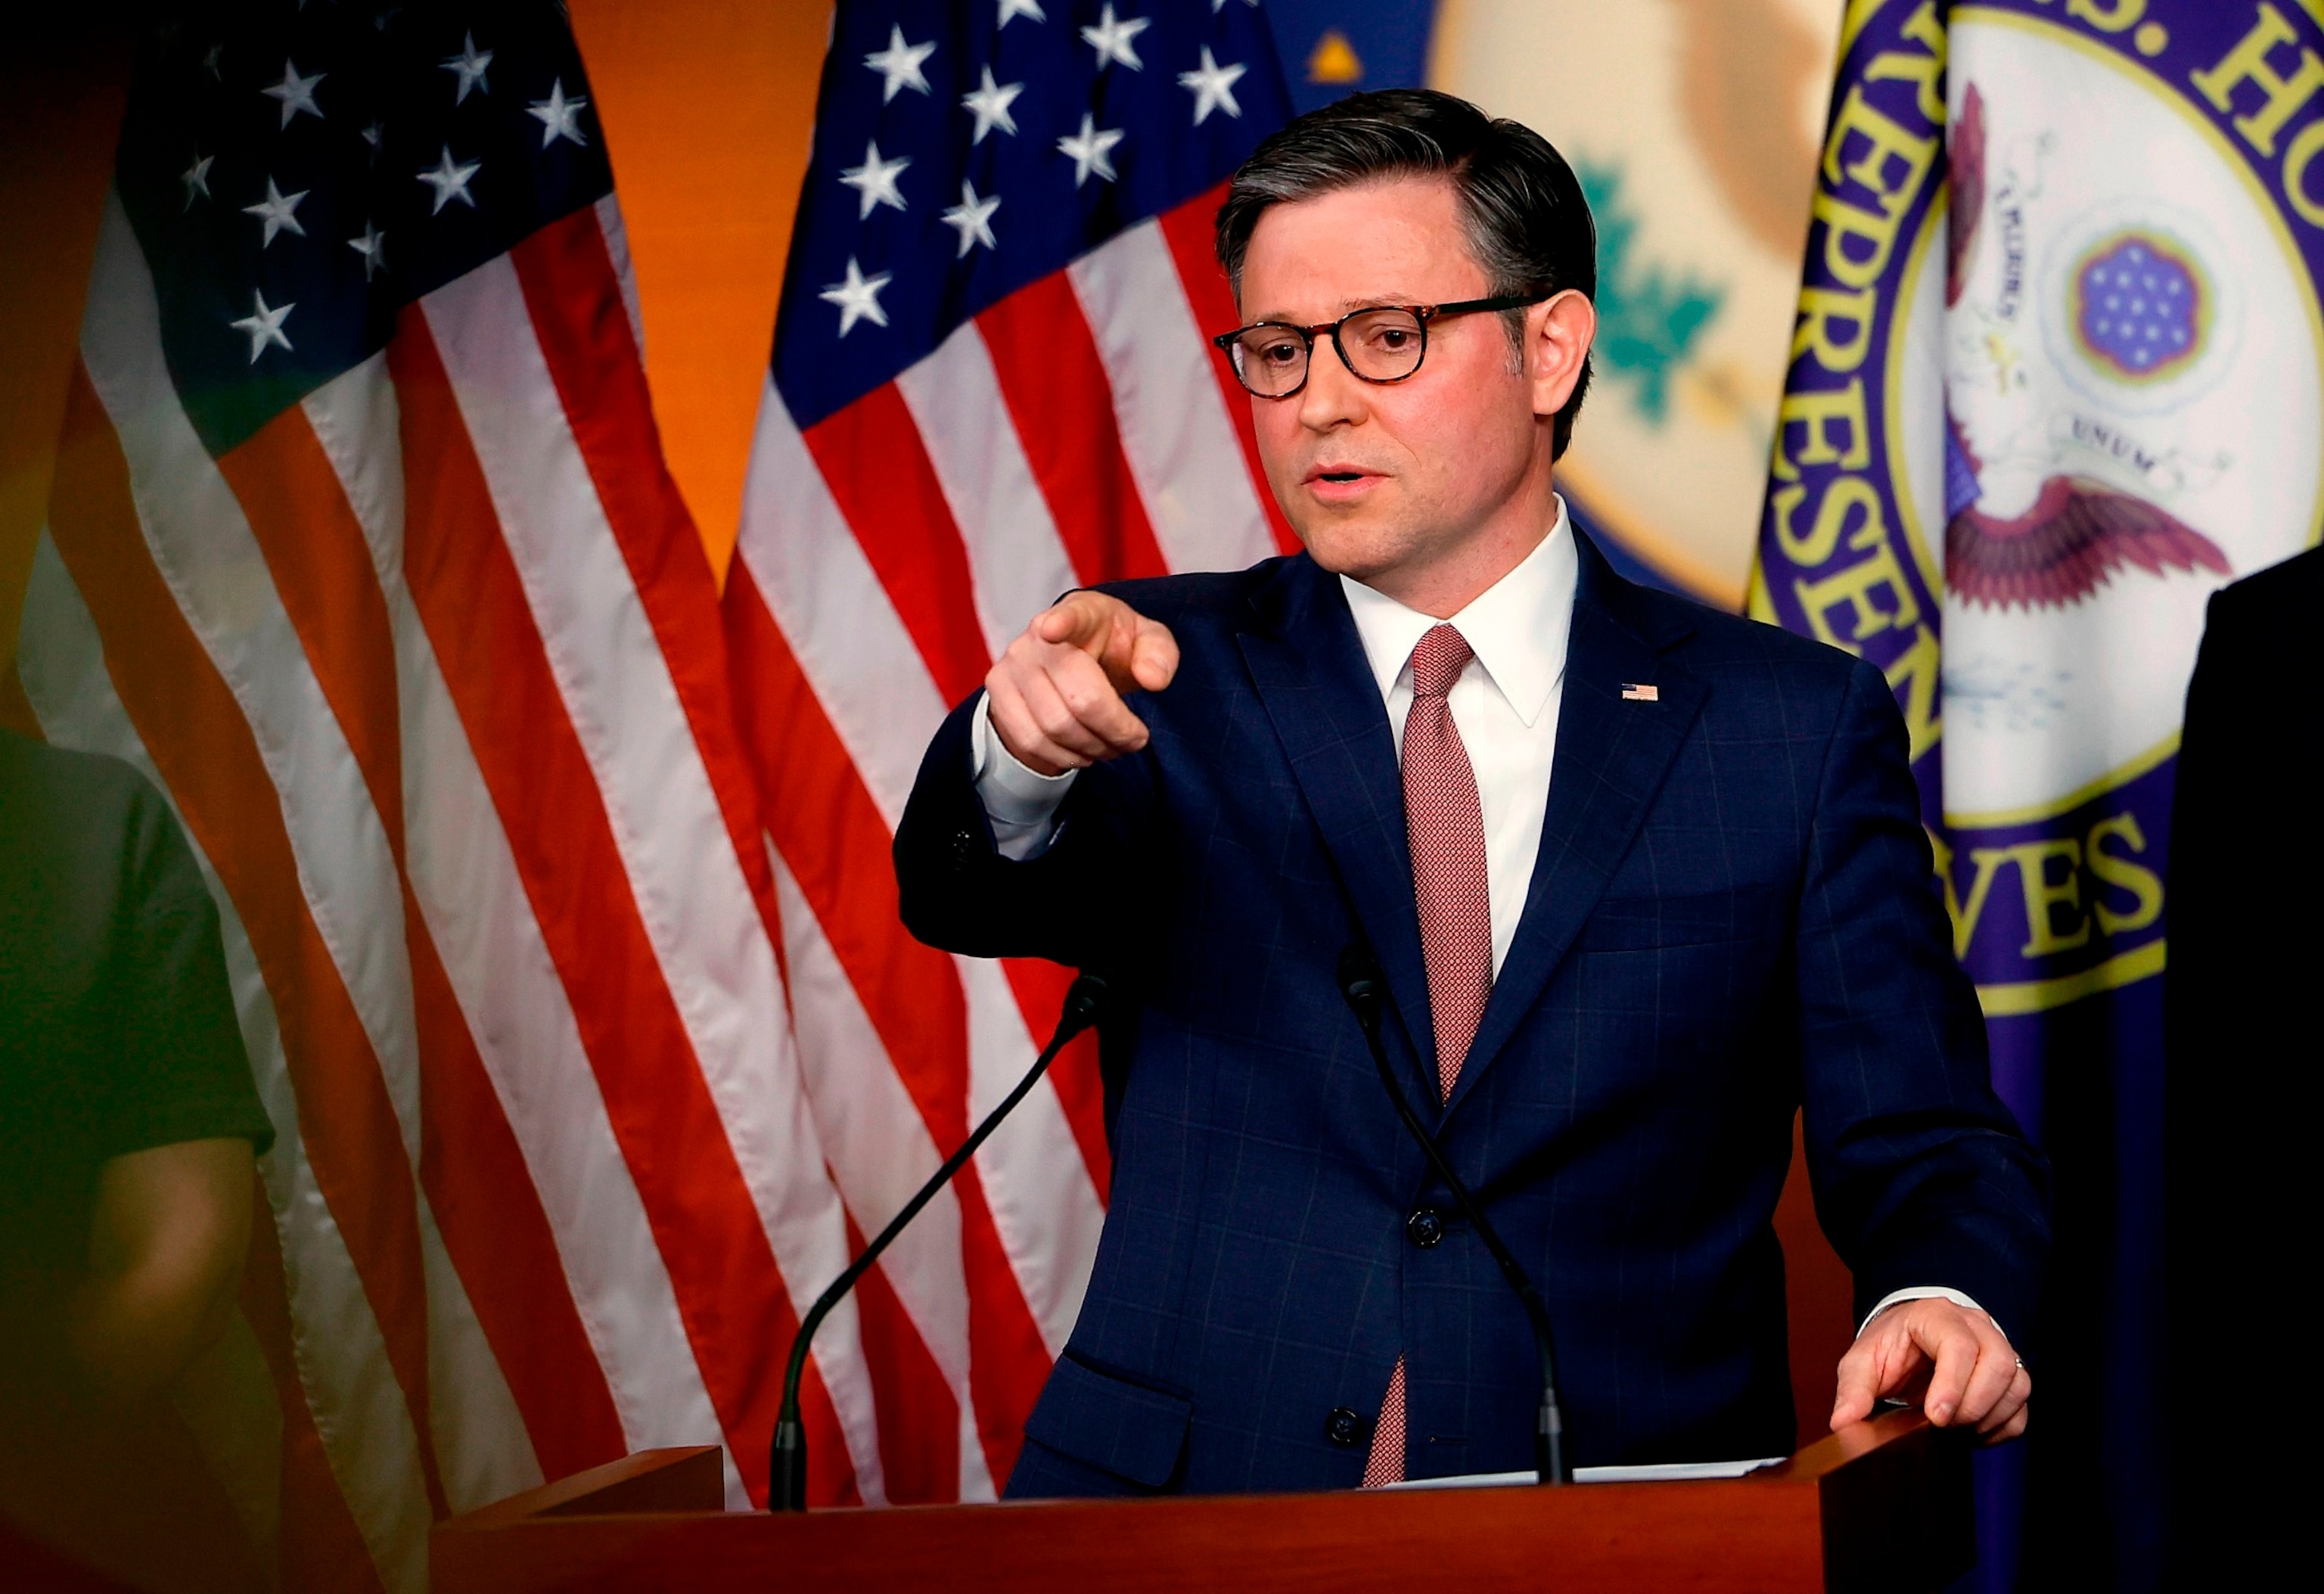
(1424, 314)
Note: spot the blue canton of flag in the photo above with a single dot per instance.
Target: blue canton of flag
(298, 175)
(964, 151)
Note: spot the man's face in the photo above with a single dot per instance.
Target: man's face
(1376, 478)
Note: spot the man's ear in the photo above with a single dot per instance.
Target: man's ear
(1558, 334)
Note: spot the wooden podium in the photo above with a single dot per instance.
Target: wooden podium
(1881, 1505)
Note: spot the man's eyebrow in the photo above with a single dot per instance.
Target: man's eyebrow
(1374, 302)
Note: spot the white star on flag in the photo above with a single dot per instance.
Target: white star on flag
(858, 298)
(197, 178)
(275, 211)
(265, 325)
(372, 246)
(296, 93)
(971, 218)
(451, 181)
(1212, 86)
(1013, 8)
(899, 64)
(468, 66)
(559, 116)
(1092, 150)
(989, 103)
(875, 180)
(1110, 39)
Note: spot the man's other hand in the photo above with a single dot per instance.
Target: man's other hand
(1056, 692)
(1954, 1361)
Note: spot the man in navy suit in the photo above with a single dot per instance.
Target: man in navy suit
(1644, 879)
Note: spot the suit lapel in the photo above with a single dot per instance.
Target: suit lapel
(1612, 755)
(1309, 667)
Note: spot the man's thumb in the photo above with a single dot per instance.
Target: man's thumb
(1858, 1387)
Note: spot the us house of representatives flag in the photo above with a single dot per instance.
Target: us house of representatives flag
(990, 383)
(361, 547)
(2058, 375)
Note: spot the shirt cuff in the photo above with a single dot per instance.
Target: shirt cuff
(1021, 804)
(1924, 1292)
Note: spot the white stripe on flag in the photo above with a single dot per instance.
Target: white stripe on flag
(833, 610)
(1181, 443)
(617, 246)
(1019, 564)
(1035, 1180)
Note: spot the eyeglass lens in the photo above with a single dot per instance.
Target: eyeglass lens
(1380, 346)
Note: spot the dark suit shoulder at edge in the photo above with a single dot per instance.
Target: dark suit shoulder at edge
(1217, 591)
(2284, 591)
(1707, 637)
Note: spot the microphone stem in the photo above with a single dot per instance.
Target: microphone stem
(786, 1473)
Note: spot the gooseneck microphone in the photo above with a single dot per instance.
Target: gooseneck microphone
(1366, 988)
(787, 1471)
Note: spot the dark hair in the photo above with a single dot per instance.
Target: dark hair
(1529, 225)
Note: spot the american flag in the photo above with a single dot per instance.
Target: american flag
(362, 547)
(990, 384)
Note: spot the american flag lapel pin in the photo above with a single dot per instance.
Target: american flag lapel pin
(1641, 692)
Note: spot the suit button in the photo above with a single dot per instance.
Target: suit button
(964, 849)
(1343, 1427)
(1425, 1227)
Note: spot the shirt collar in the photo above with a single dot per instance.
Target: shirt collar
(1516, 627)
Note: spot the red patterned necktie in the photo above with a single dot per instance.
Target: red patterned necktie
(1445, 825)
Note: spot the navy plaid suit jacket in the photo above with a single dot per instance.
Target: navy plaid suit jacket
(1733, 916)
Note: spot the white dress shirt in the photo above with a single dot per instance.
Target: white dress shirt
(1505, 706)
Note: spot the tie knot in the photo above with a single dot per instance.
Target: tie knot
(1438, 661)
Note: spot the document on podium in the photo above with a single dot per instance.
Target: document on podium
(1652, 1472)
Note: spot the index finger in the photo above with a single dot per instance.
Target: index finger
(1082, 620)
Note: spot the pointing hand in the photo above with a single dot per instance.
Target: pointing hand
(1057, 694)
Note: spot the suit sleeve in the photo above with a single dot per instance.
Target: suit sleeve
(1921, 1176)
(1079, 901)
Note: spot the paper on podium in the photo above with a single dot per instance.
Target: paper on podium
(1653, 1472)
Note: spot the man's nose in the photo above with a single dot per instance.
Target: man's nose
(1334, 395)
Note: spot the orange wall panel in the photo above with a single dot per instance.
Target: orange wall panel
(708, 106)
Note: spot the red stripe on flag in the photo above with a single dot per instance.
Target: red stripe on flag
(822, 821)
(1061, 402)
(722, 1267)
(322, 569)
(1039, 987)
(1189, 231)
(919, 1418)
(485, 1204)
(575, 295)
(878, 470)
(193, 727)
(317, 1543)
